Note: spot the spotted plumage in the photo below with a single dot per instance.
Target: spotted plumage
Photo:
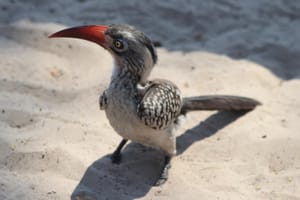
(160, 105)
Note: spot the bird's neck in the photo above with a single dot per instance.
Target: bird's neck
(138, 70)
(122, 77)
(127, 74)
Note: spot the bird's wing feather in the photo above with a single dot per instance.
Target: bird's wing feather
(160, 104)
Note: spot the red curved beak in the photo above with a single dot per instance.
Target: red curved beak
(93, 33)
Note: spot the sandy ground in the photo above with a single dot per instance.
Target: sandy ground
(54, 141)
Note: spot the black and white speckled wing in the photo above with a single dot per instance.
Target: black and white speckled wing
(160, 104)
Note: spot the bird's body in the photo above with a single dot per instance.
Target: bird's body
(138, 109)
(136, 112)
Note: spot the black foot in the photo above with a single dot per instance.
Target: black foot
(164, 173)
(116, 158)
(163, 176)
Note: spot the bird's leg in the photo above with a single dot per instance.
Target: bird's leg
(103, 101)
(163, 177)
(116, 156)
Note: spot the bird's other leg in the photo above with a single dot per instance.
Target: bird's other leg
(163, 177)
(103, 101)
(116, 156)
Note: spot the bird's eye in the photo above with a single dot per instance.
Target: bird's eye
(118, 44)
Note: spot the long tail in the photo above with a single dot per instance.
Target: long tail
(218, 102)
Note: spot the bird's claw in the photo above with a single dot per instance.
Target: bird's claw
(103, 101)
(116, 158)
(163, 176)
(160, 181)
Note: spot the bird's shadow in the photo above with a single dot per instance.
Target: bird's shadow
(206, 128)
(140, 166)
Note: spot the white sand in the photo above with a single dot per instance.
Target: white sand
(54, 141)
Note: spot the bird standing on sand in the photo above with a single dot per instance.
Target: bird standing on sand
(138, 109)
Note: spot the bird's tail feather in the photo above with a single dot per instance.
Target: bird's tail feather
(218, 102)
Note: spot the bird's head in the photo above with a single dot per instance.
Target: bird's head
(131, 49)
